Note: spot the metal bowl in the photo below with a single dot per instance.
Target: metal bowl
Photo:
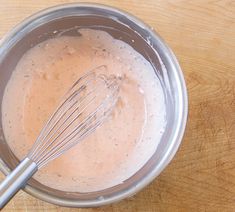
(121, 25)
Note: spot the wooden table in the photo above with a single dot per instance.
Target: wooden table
(202, 34)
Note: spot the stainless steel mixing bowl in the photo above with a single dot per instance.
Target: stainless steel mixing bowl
(121, 25)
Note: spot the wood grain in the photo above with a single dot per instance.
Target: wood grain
(202, 34)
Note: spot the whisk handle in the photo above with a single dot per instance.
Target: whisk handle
(16, 180)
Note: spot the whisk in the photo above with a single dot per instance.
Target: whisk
(83, 108)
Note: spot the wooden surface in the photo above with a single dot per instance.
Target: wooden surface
(202, 34)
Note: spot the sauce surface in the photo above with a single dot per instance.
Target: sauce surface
(117, 149)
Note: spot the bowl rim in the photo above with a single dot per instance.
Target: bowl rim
(179, 131)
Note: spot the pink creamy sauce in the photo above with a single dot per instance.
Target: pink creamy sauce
(117, 149)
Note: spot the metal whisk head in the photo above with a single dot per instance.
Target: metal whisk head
(84, 107)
